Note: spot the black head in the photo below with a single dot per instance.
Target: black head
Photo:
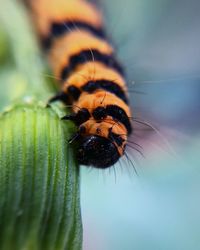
(97, 151)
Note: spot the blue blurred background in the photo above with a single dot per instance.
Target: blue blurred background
(158, 42)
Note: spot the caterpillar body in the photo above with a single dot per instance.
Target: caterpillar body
(92, 80)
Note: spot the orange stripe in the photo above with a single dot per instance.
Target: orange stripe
(48, 11)
(100, 98)
(93, 71)
(72, 44)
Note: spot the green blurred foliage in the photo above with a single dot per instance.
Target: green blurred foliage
(23, 72)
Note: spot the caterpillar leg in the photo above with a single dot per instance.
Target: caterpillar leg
(74, 138)
(71, 117)
(78, 118)
(61, 96)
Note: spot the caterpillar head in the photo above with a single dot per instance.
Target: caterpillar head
(100, 143)
(97, 151)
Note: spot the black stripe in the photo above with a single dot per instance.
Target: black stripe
(120, 115)
(99, 113)
(74, 92)
(116, 138)
(109, 86)
(59, 29)
(87, 56)
(115, 112)
(81, 116)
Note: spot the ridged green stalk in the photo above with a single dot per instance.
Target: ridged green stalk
(39, 175)
(39, 181)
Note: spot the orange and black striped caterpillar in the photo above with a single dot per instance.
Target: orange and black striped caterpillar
(92, 80)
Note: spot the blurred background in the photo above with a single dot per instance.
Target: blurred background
(158, 42)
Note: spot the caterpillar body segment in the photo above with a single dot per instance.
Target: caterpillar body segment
(91, 78)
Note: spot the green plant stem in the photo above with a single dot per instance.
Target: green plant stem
(39, 175)
(39, 192)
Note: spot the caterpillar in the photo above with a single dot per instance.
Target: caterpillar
(92, 80)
